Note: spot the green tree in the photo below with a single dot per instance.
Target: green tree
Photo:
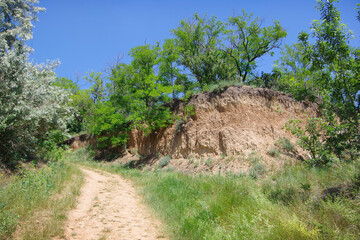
(67, 84)
(335, 69)
(138, 98)
(148, 93)
(297, 74)
(200, 43)
(339, 65)
(98, 86)
(31, 106)
(249, 41)
(170, 73)
(109, 125)
(81, 103)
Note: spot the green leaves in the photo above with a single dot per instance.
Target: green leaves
(215, 51)
(328, 68)
(199, 42)
(109, 125)
(31, 103)
(312, 138)
(249, 41)
(137, 98)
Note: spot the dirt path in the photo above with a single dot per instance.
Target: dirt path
(109, 208)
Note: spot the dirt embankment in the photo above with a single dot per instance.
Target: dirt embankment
(237, 122)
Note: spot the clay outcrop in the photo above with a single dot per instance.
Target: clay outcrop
(237, 120)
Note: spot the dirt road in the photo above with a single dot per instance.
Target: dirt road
(109, 208)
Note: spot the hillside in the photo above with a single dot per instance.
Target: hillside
(227, 129)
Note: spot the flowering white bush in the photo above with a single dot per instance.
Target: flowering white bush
(30, 104)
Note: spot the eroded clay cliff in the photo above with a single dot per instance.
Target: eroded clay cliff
(234, 121)
(234, 130)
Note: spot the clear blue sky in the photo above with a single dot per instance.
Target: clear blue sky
(88, 35)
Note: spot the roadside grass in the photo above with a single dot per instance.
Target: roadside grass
(294, 203)
(34, 202)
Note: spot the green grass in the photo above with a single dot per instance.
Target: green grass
(286, 205)
(34, 202)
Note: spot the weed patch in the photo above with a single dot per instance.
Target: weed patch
(29, 199)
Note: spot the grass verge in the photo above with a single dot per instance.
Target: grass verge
(34, 202)
(295, 203)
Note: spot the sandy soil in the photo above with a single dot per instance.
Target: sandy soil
(109, 208)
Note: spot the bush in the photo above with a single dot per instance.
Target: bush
(273, 152)
(164, 161)
(312, 139)
(257, 171)
(285, 143)
(179, 124)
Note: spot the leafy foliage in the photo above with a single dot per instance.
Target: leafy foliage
(311, 139)
(30, 105)
(329, 69)
(199, 41)
(170, 72)
(109, 125)
(297, 76)
(249, 41)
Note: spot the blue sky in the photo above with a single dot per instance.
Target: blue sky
(88, 35)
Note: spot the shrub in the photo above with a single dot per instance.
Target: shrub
(179, 124)
(273, 152)
(285, 143)
(30, 105)
(164, 161)
(189, 111)
(222, 85)
(312, 139)
(257, 171)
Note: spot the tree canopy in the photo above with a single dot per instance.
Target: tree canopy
(31, 106)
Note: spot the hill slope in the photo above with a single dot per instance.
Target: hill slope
(236, 122)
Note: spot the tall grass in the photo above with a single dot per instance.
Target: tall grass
(290, 204)
(34, 202)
